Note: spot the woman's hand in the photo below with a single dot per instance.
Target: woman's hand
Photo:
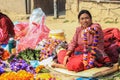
(65, 60)
(66, 57)
(90, 30)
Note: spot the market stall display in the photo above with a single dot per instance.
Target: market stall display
(36, 43)
(28, 61)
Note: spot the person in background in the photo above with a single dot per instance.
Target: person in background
(86, 49)
(6, 28)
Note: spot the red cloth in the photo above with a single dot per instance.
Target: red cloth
(7, 28)
(112, 42)
(75, 62)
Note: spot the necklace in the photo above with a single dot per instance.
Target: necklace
(89, 63)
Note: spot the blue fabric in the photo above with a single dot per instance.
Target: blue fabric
(3, 45)
(34, 63)
(77, 52)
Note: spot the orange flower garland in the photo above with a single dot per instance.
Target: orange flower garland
(38, 68)
(20, 75)
(90, 63)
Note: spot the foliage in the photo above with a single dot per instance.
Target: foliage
(27, 55)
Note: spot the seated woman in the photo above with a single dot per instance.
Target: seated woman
(6, 28)
(86, 50)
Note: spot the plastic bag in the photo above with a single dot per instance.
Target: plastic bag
(36, 17)
(20, 29)
(35, 34)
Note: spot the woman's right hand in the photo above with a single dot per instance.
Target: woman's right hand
(65, 60)
(66, 57)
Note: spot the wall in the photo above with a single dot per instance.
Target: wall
(47, 5)
(13, 6)
(101, 11)
(19, 6)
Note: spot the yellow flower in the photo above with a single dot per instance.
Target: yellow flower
(43, 76)
(38, 68)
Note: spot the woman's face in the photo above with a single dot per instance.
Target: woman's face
(85, 20)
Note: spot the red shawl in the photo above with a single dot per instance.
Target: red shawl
(6, 26)
(112, 42)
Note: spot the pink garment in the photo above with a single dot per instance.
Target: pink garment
(78, 39)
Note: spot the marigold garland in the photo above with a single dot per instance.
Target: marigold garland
(20, 75)
(90, 63)
(38, 68)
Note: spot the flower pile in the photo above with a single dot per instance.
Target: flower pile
(3, 65)
(4, 54)
(46, 76)
(47, 46)
(20, 64)
(41, 69)
(20, 75)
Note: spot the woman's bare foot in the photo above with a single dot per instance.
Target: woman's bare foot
(56, 65)
(53, 65)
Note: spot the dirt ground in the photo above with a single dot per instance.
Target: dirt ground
(68, 25)
(65, 23)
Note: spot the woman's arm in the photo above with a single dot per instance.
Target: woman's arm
(74, 41)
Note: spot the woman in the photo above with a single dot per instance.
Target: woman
(6, 28)
(86, 50)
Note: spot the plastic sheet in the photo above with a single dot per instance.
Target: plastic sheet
(37, 31)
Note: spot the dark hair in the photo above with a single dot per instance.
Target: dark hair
(84, 11)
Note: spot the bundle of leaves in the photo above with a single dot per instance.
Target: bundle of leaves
(27, 55)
